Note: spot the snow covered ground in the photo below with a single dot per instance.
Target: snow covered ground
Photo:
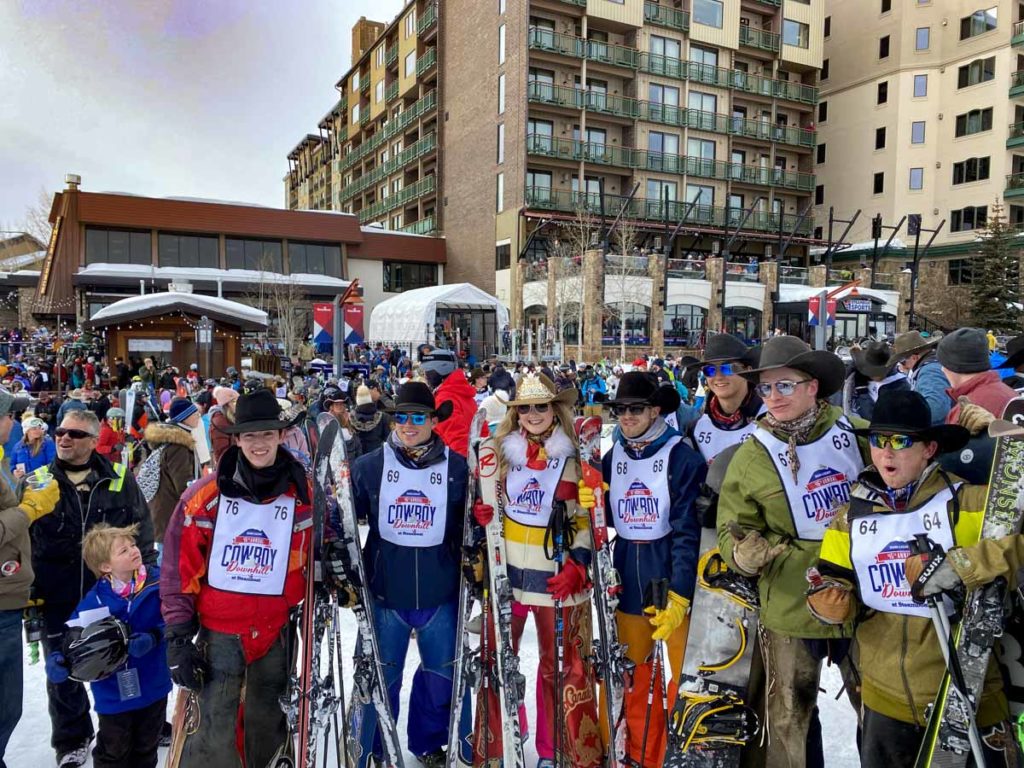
(30, 745)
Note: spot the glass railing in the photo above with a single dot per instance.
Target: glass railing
(392, 92)
(666, 17)
(794, 275)
(427, 144)
(609, 53)
(427, 20)
(759, 38)
(1017, 79)
(540, 39)
(1015, 181)
(736, 271)
(394, 126)
(391, 56)
(422, 227)
(426, 61)
(884, 280)
(1016, 131)
(693, 269)
(733, 79)
(1017, 35)
(667, 66)
(571, 149)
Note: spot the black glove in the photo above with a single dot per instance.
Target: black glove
(188, 667)
(337, 564)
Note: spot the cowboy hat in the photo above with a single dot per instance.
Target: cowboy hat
(259, 412)
(536, 389)
(643, 388)
(910, 343)
(902, 412)
(791, 352)
(1014, 353)
(873, 360)
(726, 348)
(416, 397)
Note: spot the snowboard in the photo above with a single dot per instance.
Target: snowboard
(986, 611)
(712, 719)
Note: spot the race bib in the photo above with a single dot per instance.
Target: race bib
(250, 547)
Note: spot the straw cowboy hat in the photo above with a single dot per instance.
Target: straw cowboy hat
(791, 352)
(910, 343)
(536, 389)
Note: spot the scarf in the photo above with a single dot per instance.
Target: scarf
(723, 419)
(127, 589)
(899, 498)
(275, 480)
(536, 453)
(796, 430)
(635, 446)
(419, 455)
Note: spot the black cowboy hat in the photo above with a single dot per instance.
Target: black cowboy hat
(726, 348)
(791, 352)
(873, 359)
(259, 412)
(902, 412)
(416, 397)
(641, 387)
(1014, 353)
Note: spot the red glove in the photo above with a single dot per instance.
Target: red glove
(482, 513)
(571, 580)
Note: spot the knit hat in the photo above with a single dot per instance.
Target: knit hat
(181, 409)
(224, 395)
(363, 396)
(965, 350)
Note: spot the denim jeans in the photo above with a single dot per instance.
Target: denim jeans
(12, 681)
(431, 695)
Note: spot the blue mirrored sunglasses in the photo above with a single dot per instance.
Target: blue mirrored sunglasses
(418, 419)
(725, 369)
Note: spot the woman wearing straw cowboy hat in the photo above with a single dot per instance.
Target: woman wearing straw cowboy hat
(538, 468)
(650, 462)
(781, 490)
(905, 492)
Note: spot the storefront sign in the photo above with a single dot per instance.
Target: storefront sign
(150, 345)
(857, 305)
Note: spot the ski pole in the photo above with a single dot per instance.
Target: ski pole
(558, 512)
(922, 545)
(658, 598)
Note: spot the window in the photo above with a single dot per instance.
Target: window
(702, 102)
(960, 272)
(379, 55)
(187, 251)
(410, 64)
(820, 153)
(922, 38)
(502, 256)
(824, 69)
(920, 86)
(663, 152)
(355, 81)
(657, 192)
(500, 192)
(684, 324)
(966, 219)
(878, 183)
(978, 71)
(501, 143)
(258, 255)
(819, 194)
(539, 135)
(978, 23)
(538, 186)
(666, 54)
(406, 276)
(975, 121)
(501, 44)
(828, 26)
(880, 138)
(355, 114)
(315, 258)
(115, 246)
(917, 132)
(704, 195)
(886, 6)
(708, 12)
(796, 33)
(883, 47)
(379, 92)
(822, 111)
(971, 169)
(883, 93)
(410, 23)
(917, 178)
(501, 94)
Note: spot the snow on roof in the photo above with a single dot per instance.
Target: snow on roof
(12, 263)
(867, 245)
(186, 199)
(206, 273)
(152, 302)
(405, 318)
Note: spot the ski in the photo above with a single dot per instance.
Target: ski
(947, 738)
(467, 660)
(609, 656)
(502, 659)
(368, 684)
(184, 722)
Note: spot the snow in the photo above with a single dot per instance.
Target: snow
(153, 301)
(379, 230)
(12, 263)
(207, 273)
(867, 245)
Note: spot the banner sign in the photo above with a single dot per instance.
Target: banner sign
(353, 323)
(857, 305)
(813, 306)
(323, 323)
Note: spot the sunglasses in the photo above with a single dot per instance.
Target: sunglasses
(418, 419)
(784, 388)
(632, 410)
(522, 410)
(896, 442)
(726, 369)
(74, 434)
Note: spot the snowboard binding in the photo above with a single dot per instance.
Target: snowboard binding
(714, 574)
(705, 720)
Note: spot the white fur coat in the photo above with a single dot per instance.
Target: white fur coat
(557, 446)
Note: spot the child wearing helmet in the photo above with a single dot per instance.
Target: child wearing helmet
(116, 644)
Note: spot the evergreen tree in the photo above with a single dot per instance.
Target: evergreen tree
(995, 284)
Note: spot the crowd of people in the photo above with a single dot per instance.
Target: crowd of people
(125, 498)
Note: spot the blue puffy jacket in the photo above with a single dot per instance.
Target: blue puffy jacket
(931, 383)
(405, 578)
(142, 614)
(23, 455)
(675, 555)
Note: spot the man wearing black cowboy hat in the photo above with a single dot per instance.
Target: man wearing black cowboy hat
(412, 492)
(865, 569)
(781, 490)
(872, 374)
(1015, 361)
(916, 357)
(653, 478)
(235, 559)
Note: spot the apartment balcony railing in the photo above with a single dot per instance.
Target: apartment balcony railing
(794, 275)
(1014, 185)
(422, 227)
(422, 187)
(364, 118)
(759, 38)
(1015, 136)
(571, 149)
(733, 79)
(775, 3)
(1017, 35)
(364, 85)
(884, 280)
(392, 92)
(394, 126)
(1017, 83)
(391, 56)
(427, 20)
(426, 61)
(580, 3)
(342, 105)
(692, 269)
(413, 152)
(540, 39)
(664, 16)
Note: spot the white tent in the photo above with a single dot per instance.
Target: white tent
(405, 319)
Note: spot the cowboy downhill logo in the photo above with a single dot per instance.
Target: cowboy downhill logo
(531, 498)
(411, 514)
(638, 508)
(887, 576)
(827, 490)
(249, 556)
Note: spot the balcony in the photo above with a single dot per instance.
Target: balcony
(590, 152)
(420, 188)
(794, 275)
(364, 85)
(394, 126)
(666, 17)
(733, 79)
(540, 39)
(765, 131)
(611, 54)
(1017, 35)
(687, 269)
(1017, 83)
(428, 20)
(364, 118)
(1015, 137)
(578, 3)
(774, 3)
(422, 147)
(392, 92)
(1014, 185)
(424, 226)
(426, 61)
(759, 38)
(391, 57)
(740, 272)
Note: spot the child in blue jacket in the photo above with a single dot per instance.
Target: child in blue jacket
(132, 702)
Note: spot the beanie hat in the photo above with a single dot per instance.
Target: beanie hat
(181, 409)
(224, 395)
(363, 396)
(965, 350)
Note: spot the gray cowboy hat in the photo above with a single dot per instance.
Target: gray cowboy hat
(873, 359)
(791, 352)
(726, 348)
(910, 343)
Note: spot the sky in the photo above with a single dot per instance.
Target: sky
(194, 98)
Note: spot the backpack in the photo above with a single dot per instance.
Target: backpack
(148, 475)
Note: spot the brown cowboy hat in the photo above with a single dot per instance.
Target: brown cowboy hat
(791, 352)
(910, 343)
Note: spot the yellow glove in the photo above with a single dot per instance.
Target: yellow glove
(973, 418)
(39, 502)
(585, 496)
(668, 620)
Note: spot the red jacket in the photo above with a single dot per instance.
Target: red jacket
(454, 430)
(110, 443)
(986, 390)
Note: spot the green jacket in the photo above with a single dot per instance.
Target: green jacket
(753, 496)
(15, 544)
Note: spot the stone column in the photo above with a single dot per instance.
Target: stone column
(769, 275)
(659, 301)
(552, 313)
(864, 275)
(903, 280)
(818, 275)
(713, 274)
(518, 279)
(593, 303)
